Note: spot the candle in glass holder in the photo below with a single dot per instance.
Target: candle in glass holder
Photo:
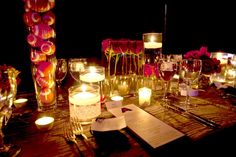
(144, 94)
(123, 88)
(116, 102)
(230, 75)
(152, 40)
(93, 74)
(84, 103)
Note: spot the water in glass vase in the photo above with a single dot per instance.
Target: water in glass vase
(84, 104)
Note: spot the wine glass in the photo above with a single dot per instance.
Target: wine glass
(76, 65)
(61, 71)
(167, 68)
(190, 70)
(8, 90)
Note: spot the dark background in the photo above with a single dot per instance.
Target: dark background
(81, 27)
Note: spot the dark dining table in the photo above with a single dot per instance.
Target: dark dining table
(201, 139)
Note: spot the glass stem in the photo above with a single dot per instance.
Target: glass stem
(187, 100)
(165, 89)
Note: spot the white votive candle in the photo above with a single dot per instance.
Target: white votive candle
(21, 102)
(117, 98)
(144, 96)
(44, 123)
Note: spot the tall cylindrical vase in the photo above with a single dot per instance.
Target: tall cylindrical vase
(39, 19)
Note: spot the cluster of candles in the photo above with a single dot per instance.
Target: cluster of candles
(228, 74)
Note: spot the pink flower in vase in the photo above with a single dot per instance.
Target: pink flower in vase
(106, 45)
(120, 46)
(148, 70)
(139, 47)
(209, 65)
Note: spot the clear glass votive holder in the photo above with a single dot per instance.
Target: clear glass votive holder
(75, 66)
(84, 103)
(144, 94)
(94, 75)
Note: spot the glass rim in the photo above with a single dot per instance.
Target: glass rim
(92, 87)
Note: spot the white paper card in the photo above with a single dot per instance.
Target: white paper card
(155, 132)
(108, 124)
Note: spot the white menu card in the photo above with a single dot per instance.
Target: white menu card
(152, 130)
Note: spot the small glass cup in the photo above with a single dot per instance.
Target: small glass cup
(84, 103)
(94, 75)
(76, 65)
(144, 96)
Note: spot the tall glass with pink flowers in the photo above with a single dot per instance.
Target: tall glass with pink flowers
(123, 62)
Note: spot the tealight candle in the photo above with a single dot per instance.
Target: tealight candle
(21, 102)
(144, 96)
(117, 98)
(116, 102)
(44, 123)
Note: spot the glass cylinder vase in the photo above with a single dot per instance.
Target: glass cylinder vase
(123, 63)
(39, 19)
(152, 43)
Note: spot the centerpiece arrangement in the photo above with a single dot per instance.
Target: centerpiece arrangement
(123, 56)
(123, 63)
(39, 19)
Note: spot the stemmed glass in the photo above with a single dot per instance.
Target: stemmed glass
(167, 68)
(76, 65)
(190, 70)
(61, 71)
(8, 90)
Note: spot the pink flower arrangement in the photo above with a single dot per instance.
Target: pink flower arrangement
(209, 65)
(118, 46)
(123, 55)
